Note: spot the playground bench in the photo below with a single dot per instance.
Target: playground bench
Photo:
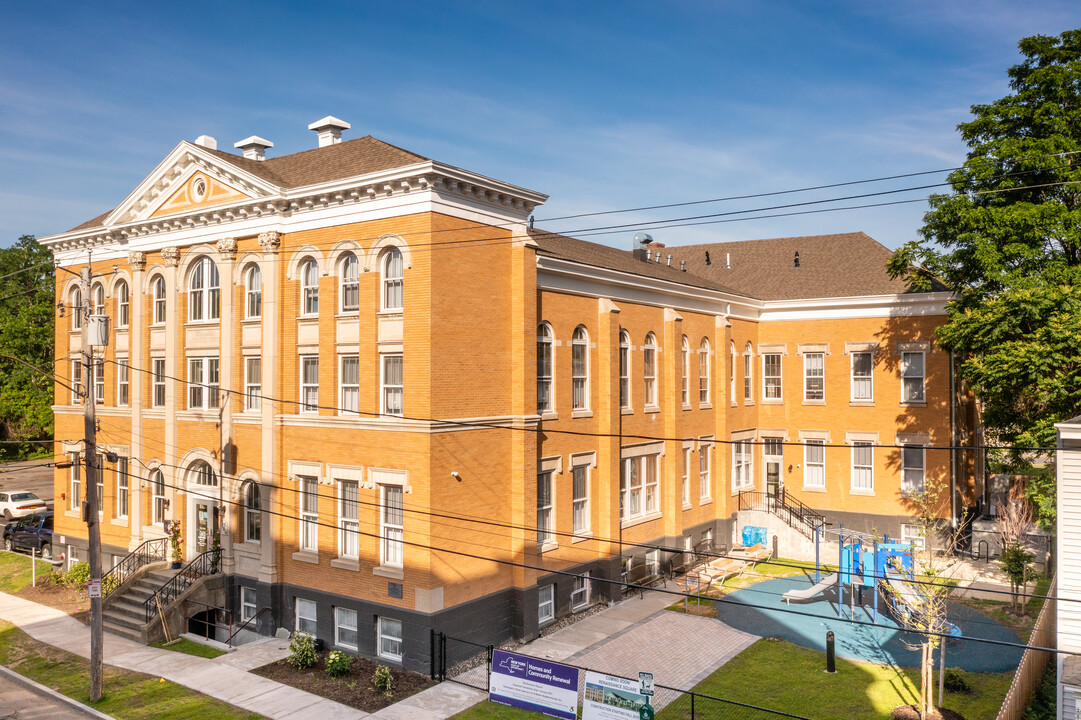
(642, 576)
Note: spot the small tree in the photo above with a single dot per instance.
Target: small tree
(1013, 521)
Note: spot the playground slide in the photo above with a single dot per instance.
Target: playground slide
(905, 594)
(827, 582)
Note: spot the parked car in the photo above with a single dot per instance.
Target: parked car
(20, 503)
(33, 532)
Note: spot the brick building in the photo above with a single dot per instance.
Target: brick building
(405, 406)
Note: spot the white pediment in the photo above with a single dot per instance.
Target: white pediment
(185, 162)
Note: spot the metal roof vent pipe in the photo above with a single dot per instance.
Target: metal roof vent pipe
(657, 257)
(683, 266)
(639, 244)
(728, 261)
(795, 263)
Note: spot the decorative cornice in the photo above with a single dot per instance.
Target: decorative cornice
(171, 256)
(137, 260)
(227, 248)
(270, 240)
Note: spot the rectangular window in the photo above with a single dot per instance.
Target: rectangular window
(624, 374)
(389, 640)
(580, 592)
(248, 603)
(122, 487)
(392, 527)
(814, 376)
(580, 498)
(771, 376)
(76, 382)
(912, 469)
(748, 374)
(345, 628)
(649, 371)
(579, 374)
(545, 520)
(349, 385)
(253, 383)
(912, 377)
(639, 487)
(703, 376)
(306, 616)
(349, 519)
(392, 385)
(913, 535)
(863, 472)
(158, 381)
(195, 383)
(76, 481)
(99, 381)
(546, 604)
(862, 379)
(705, 483)
(544, 369)
(741, 465)
(202, 383)
(157, 489)
(686, 494)
(309, 514)
(814, 463)
(122, 307)
(309, 384)
(122, 387)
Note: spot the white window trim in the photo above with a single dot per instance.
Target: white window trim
(307, 517)
(209, 311)
(587, 526)
(922, 377)
(852, 377)
(123, 491)
(384, 388)
(583, 592)
(685, 467)
(342, 529)
(304, 386)
(625, 370)
(157, 379)
(251, 293)
(705, 451)
(923, 468)
(253, 391)
(807, 378)
(299, 602)
(742, 463)
(546, 538)
(123, 382)
(384, 525)
(704, 388)
(748, 374)
(77, 381)
(249, 512)
(342, 283)
(342, 387)
(157, 500)
(780, 377)
(123, 304)
(858, 443)
(643, 488)
(159, 310)
(685, 372)
(309, 289)
(546, 608)
(385, 280)
(338, 626)
(546, 403)
(208, 392)
(649, 381)
(379, 639)
(246, 594)
(580, 343)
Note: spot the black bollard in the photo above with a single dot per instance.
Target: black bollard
(831, 660)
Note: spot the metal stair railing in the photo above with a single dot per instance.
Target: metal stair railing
(207, 563)
(150, 551)
(795, 513)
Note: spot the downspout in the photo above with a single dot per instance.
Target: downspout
(953, 445)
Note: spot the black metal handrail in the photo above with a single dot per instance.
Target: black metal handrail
(808, 515)
(792, 510)
(263, 609)
(204, 564)
(149, 552)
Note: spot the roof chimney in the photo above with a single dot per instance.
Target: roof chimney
(329, 129)
(207, 142)
(254, 147)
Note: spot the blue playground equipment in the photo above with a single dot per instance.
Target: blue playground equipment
(882, 562)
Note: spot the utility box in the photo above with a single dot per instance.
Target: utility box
(96, 332)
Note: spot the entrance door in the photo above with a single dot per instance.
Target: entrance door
(205, 525)
(773, 459)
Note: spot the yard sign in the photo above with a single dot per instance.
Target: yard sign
(531, 684)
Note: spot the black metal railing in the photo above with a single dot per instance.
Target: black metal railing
(243, 625)
(794, 512)
(150, 551)
(207, 563)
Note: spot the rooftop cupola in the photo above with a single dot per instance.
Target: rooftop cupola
(329, 129)
(254, 147)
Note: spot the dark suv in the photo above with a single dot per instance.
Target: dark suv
(33, 532)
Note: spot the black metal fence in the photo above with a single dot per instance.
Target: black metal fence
(468, 663)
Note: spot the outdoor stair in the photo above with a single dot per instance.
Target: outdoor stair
(126, 614)
(785, 506)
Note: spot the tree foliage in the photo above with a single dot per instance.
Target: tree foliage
(26, 339)
(1007, 243)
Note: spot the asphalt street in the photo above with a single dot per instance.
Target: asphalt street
(33, 475)
(23, 703)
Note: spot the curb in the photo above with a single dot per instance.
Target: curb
(38, 687)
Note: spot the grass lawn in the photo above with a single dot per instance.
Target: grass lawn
(128, 695)
(1000, 609)
(15, 571)
(489, 710)
(191, 648)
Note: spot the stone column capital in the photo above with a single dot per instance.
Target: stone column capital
(137, 260)
(171, 256)
(227, 248)
(270, 240)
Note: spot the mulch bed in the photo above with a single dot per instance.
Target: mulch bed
(354, 689)
(73, 602)
(909, 712)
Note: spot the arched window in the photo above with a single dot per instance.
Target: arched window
(748, 372)
(703, 371)
(580, 369)
(252, 513)
(392, 279)
(350, 283)
(545, 341)
(204, 291)
(309, 287)
(624, 369)
(158, 289)
(200, 473)
(76, 309)
(685, 370)
(157, 490)
(99, 299)
(123, 304)
(253, 292)
(649, 369)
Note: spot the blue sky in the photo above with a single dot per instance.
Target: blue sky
(602, 106)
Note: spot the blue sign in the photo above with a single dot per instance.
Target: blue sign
(533, 684)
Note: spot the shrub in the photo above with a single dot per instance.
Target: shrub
(383, 680)
(338, 663)
(302, 653)
(956, 681)
(77, 576)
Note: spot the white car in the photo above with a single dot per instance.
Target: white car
(20, 503)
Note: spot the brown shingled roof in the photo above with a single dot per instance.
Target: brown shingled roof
(844, 265)
(350, 158)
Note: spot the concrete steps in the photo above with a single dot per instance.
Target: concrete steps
(126, 614)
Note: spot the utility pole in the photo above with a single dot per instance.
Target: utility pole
(90, 508)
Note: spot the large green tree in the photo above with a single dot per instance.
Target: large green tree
(1007, 242)
(26, 342)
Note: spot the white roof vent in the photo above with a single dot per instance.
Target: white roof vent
(329, 129)
(254, 147)
(207, 142)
